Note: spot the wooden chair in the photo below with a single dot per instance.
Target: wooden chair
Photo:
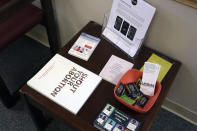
(20, 56)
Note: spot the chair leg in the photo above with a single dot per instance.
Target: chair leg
(7, 99)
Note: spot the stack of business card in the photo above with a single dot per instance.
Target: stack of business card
(149, 78)
(112, 119)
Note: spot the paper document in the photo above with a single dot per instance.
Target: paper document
(165, 65)
(115, 69)
(128, 23)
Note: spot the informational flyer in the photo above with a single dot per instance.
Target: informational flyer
(84, 46)
(128, 23)
(112, 119)
(115, 69)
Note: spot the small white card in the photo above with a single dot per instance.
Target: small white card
(115, 69)
(100, 120)
(149, 78)
(108, 127)
(107, 112)
(131, 126)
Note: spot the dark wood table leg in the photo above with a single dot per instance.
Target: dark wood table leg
(40, 119)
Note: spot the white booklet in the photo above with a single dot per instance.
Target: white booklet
(65, 82)
(114, 69)
(128, 23)
(84, 46)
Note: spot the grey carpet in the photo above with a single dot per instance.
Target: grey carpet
(18, 119)
(167, 121)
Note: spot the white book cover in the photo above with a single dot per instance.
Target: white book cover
(65, 82)
(84, 46)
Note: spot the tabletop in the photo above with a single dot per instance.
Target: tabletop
(103, 94)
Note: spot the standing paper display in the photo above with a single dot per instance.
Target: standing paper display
(127, 24)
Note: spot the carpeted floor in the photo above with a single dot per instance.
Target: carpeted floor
(18, 119)
(167, 121)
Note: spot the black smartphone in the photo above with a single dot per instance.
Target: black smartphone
(118, 23)
(124, 28)
(131, 33)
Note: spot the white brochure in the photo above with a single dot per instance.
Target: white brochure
(149, 78)
(84, 46)
(115, 69)
(128, 23)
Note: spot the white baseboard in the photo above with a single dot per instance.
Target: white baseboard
(180, 111)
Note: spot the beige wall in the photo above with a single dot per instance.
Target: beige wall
(74, 14)
(173, 32)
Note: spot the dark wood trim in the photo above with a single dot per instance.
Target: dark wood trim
(11, 7)
(39, 119)
(51, 25)
(191, 3)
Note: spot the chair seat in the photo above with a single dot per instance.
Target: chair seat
(20, 61)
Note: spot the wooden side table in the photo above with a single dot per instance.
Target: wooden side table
(104, 92)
